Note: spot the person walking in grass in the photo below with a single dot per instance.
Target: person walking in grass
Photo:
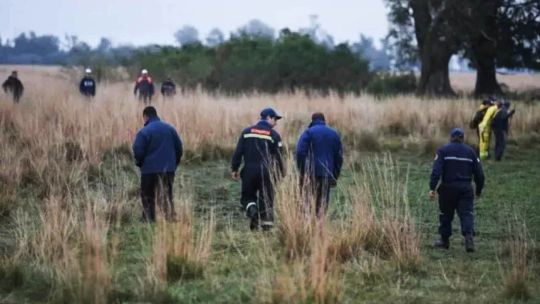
(158, 151)
(260, 147)
(144, 86)
(499, 125)
(455, 166)
(13, 86)
(87, 85)
(319, 157)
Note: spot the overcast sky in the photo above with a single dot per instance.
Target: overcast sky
(154, 21)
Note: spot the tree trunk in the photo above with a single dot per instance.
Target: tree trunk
(484, 49)
(436, 44)
(435, 79)
(486, 75)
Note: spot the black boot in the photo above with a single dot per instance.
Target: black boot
(469, 243)
(442, 243)
(253, 214)
(254, 224)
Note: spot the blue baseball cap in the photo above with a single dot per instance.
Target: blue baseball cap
(269, 112)
(457, 132)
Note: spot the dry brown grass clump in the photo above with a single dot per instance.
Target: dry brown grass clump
(180, 249)
(69, 247)
(515, 271)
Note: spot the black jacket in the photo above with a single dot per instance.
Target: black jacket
(500, 121)
(260, 146)
(13, 86)
(87, 86)
(144, 86)
(168, 88)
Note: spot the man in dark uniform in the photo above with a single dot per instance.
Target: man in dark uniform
(87, 86)
(13, 86)
(260, 146)
(158, 151)
(168, 88)
(319, 157)
(145, 87)
(499, 125)
(455, 165)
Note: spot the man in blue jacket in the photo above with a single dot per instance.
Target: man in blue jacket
(319, 157)
(260, 147)
(158, 151)
(455, 165)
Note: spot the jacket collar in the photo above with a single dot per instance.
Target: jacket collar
(318, 122)
(151, 120)
(264, 123)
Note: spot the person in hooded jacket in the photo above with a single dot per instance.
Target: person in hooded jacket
(319, 157)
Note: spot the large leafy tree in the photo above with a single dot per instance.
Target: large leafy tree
(491, 33)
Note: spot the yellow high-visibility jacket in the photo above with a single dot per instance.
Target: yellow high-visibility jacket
(488, 117)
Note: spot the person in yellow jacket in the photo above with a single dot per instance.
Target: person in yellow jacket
(484, 131)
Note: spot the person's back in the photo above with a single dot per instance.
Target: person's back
(319, 148)
(160, 149)
(13, 86)
(258, 147)
(168, 88)
(500, 120)
(455, 166)
(458, 159)
(87, 86)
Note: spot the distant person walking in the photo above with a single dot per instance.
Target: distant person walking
(144, 87)
(319, 157)
(158, 151)
(260, 147)
(500, 127)
(13, 86)
(455, 166)
(168, 88)
(484, 130)
(87, 86)
(479, 115)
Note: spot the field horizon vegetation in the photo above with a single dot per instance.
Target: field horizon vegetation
(70, 229)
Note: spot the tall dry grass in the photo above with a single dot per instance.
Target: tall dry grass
(517, 260)
(180, 249)
(69, 247)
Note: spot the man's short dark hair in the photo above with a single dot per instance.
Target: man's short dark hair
(317, 116)
(149, 111)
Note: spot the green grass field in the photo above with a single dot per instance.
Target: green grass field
(242, 263)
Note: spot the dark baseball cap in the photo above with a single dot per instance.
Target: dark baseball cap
(269, 112)
(457, 132)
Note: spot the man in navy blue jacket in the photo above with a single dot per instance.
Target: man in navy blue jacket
(158, 151)
(319, 157)
(260, 147)
(455, 165)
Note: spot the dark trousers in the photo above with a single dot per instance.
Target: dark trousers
(157, 186)
(500, 143)
(317, 188)
(257, 188)
(458, 198)
(146, 98)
